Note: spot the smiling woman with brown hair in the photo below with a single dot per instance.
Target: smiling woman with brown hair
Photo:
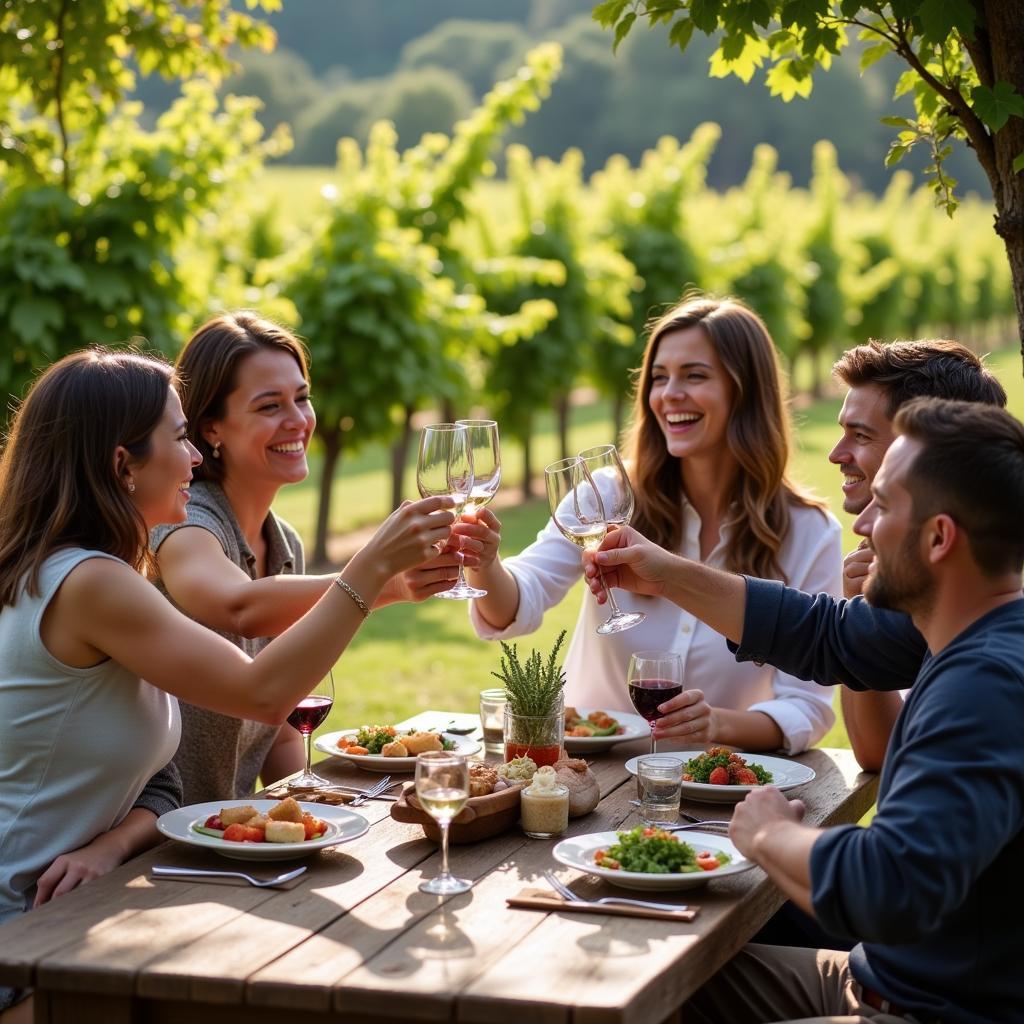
(91, 655)
(707, 456)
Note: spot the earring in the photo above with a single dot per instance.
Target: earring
(131, 487)
(216, 450)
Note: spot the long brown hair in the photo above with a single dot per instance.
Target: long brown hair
(57, 474)
(757, 435)
(207, 369)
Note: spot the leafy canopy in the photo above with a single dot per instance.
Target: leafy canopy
(950, 69)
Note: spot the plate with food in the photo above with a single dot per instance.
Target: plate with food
(589, 730)
(652, 859)
(384, 748)
(262, 829)
(723, 776)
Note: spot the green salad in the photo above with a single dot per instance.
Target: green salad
(374, 737)
(654, 851)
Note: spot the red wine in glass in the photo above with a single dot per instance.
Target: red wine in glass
(648, 694)
(309, 713)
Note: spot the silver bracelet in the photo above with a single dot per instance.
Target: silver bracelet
(360, 603)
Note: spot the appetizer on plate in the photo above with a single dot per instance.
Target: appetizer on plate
(286, 822)
(654, 851)
(386, 741)
(596, 723)
(723, 767)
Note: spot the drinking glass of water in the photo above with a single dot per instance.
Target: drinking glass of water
(661, 780)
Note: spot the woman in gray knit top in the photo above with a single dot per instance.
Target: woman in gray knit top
(98, 455)
(233, 565)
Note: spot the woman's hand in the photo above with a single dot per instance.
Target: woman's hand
(629, 561)
(479, 535)
(70, 870)
(856, 567)
(417, 584)
(411, 535)
(687, 716)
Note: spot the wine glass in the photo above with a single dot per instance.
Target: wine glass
(577, 509)
(483, 444)
(654, 677)
(604, 467)
(308, 714)
(442, 788)
(445, 466)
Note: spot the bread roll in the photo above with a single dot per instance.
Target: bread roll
(419, 742)
(394, 749)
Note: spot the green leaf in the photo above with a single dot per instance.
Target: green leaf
(896, 154)
(872, 54)
(898, 122)
(622, 29)
(704, 14)
(1018, 163)
(680, 33)
(997, 105)
(788, 79)
(939, 18)
(608, 12)
(31, 318)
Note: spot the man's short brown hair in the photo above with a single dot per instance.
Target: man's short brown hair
(920, 369)
(970, 467)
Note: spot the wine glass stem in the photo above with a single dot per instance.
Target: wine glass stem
(444, 850)
(611, 597)
(654, 740)
(461, 581)
(307, 738)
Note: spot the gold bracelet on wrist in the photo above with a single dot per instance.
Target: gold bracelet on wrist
(360, 603)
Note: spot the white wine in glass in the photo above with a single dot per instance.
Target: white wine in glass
(577, 509)
(445, 467)
(483, 444)
(442, 789)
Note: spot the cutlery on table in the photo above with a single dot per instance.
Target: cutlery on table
(618, 901)
(161, 871)
(697, 826)
(373, 793)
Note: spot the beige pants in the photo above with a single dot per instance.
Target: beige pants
(769, 984)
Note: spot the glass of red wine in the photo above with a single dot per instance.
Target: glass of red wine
(654, 677)
(308, 714)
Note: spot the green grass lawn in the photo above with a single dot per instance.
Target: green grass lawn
(411, 657)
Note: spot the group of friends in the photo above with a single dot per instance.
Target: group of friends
(120, 700)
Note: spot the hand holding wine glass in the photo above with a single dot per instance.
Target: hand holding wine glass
(445, 466)
(442, 789)
(309, 713)
(653, 678)
(577, 509)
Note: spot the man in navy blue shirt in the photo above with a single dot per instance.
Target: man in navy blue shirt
(931, 889)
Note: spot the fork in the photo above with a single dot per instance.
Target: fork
(372, 792)
(695, 825)
(160, 870)
(617, 901)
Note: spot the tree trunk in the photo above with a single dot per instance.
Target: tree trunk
(448, 411)
(1003, 20)
(618, 404)
(528, 461)
(331, 440)
(563, 426)
(814, 359)
(399, 455)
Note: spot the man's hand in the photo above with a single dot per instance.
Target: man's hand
(629, 561)
(759, 814)
(479, 534)
(856, 566)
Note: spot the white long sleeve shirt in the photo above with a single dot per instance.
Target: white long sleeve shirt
(595, 666)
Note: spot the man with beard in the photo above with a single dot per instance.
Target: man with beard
(931, 888)
(881, 378)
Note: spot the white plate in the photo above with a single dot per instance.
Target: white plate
(328, 743)
(579, 851)
(342, 825)
(786, 775)
(636, 728)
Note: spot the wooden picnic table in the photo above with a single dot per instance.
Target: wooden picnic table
(357, 942)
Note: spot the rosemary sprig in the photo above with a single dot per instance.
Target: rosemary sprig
(533, 688)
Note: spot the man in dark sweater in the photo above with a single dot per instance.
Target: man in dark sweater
(931, 889)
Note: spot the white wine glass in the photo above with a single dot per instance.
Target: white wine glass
(442, 789)
(604, 467)
(483, 443)
(445, 467)
(577, 509)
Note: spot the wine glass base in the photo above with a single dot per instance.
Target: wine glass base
(446, 885)
(308, 780)
(463, 592)
(617, 623)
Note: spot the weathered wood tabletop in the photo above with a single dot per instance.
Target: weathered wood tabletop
(356, 941)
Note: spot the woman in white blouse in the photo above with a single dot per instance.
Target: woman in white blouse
(707, 456)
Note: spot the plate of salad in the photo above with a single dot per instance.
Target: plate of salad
(652, 859)
(723, 776)
(385, 748)
(589, 730)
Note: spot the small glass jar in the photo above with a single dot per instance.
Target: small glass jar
(540, 739)
(492, 719)
(544, 805)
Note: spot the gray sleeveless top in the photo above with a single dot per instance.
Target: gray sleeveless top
(77, 745)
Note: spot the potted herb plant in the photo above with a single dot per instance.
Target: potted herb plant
(535, 711)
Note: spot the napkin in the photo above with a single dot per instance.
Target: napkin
(545, 899)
